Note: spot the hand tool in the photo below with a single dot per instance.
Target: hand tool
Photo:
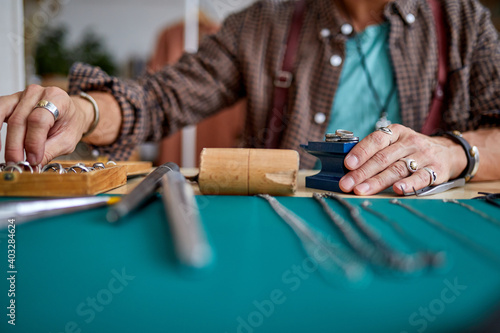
(140, 193)
(337, 264)
(28, 210)
(435, 189)
(369, 245)
(474, 210)
(490, 198)
(190, 240)
(413, 241)
(460, 237)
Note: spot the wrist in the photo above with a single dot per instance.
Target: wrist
(110, 118)
(85, 110)
(471, 154)
(95, 121)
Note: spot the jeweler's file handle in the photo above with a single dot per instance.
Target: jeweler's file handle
(140, 193)
(29, 210)
(190, 240)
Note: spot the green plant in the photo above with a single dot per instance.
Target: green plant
(91, 50)
(54, 56)
(51, 53)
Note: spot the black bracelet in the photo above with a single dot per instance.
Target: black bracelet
(472, 154)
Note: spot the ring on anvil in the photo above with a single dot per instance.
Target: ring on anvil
(411, 164)
(49, 107)
(385, 130)
(432, 173)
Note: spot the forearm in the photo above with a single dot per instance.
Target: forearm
(487, 142)
(110, 119)
(121, 105)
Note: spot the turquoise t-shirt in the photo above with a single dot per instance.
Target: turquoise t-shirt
(355, 107)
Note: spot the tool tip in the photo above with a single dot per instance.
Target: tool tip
(172, 166)
(113, 200)
(112, 216)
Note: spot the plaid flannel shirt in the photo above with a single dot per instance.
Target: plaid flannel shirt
(243, 58)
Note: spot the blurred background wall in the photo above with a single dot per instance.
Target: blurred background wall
(121, 33)
(12, 55)
(127, 29)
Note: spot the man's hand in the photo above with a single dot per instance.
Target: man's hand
(376, 161)
(35, 131)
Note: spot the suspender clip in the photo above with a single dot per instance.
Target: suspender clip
(283, 79)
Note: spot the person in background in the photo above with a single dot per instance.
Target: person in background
(358, 63)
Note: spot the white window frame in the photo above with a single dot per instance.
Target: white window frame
(12, 55)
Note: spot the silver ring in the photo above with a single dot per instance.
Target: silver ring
(385, 130)
(411, 164)
(99, 166)
(25, 166)
(80, 166)
(432, 174)
(12, 168)
(49, 107)
(55, 167)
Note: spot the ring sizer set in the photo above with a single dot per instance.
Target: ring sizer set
(66, 178)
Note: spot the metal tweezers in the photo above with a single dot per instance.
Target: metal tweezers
(430, 190)
(490, 198)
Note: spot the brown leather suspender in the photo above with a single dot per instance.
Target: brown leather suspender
(433, 122)
(277, 119)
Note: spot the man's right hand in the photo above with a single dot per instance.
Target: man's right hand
(35, 131)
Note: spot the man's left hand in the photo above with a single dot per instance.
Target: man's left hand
(376, 162)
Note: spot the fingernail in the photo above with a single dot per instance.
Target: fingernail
(31, 158)
(347, 183)
(351, 161)
(401, 186)
(363, 188)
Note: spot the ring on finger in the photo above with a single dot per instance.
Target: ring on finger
(411, 164)
(385, 130)
(49, 107)
(432, 173)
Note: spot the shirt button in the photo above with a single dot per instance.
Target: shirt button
(346, 29)
(410, 18)
(439, 92)
(325, 33)
(336, 60)
(319, 118)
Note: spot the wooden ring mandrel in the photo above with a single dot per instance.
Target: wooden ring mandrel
(240, 171)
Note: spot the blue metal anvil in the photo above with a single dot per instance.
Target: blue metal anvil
(331, 155)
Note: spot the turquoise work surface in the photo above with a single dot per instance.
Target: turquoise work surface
(78, 273)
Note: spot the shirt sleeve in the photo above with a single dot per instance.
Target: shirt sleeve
(158, 104)
(484, 85)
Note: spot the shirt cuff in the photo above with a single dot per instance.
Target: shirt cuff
(83, 77)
